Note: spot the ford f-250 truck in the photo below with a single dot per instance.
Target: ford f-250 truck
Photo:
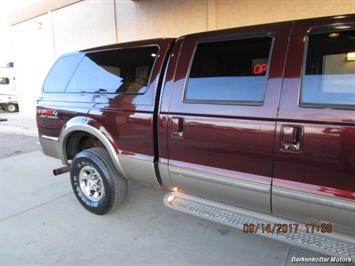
(251, 127)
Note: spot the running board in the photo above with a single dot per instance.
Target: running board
(331, 244)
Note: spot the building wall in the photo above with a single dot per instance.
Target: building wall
(34, 53)
(92, 23)
(169, 18)
(146, 19)
(39, 41)
(83, 25)
(259, 11)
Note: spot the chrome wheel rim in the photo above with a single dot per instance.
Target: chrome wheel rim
(91, 183)
(11, 108)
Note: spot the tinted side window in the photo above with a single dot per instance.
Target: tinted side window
(230, 71)
(330, 70)
(4, 81)
(114, 71)
(59, 76)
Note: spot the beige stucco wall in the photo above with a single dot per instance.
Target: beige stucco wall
(170, 18)
(78, 26)
(258, 11)
(34, 54)
(92, 23)
(83, 25)
(153, 18)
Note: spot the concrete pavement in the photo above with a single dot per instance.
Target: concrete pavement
(18, 124)
(14, 144)
(42, 223)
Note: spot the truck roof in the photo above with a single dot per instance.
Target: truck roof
(128, 44)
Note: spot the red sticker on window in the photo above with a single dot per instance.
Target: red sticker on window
(259, 69)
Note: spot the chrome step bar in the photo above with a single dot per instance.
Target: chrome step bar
(330, 244)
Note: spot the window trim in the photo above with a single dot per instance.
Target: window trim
(316, 31)
(224, 39)
(114, 49)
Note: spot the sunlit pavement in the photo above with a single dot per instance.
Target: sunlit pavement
(14, 144)
(42, 223)
(17, 123)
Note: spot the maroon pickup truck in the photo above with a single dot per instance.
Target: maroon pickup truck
(251, 127)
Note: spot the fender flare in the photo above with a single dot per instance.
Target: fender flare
(89, 125)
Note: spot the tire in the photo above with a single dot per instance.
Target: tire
(11, 108)
(96, 182)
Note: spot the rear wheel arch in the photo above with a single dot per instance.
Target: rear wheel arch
(87, 127)
(78, 141)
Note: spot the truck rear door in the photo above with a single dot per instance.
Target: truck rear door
(314, 168)
(221, 121)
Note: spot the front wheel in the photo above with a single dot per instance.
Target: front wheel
(11, 107)
(96, 182)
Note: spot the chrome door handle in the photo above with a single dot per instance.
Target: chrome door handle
(177, 128)
(291, 138)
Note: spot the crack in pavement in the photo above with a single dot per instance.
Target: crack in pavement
(34, 207)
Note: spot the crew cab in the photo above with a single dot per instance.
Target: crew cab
(252, 127)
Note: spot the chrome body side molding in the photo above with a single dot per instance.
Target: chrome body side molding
(314, 208)
(314, 198)
(49, 145)
(140, 167)
(49, 138)
(220, 179)
(238, 189)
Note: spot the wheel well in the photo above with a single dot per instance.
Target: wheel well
(79, 141)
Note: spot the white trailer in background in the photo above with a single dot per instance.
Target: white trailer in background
(8, 93)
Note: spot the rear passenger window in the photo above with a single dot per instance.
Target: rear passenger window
(59, 76)
(229, 72)
(329, 77)
(114, 71)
